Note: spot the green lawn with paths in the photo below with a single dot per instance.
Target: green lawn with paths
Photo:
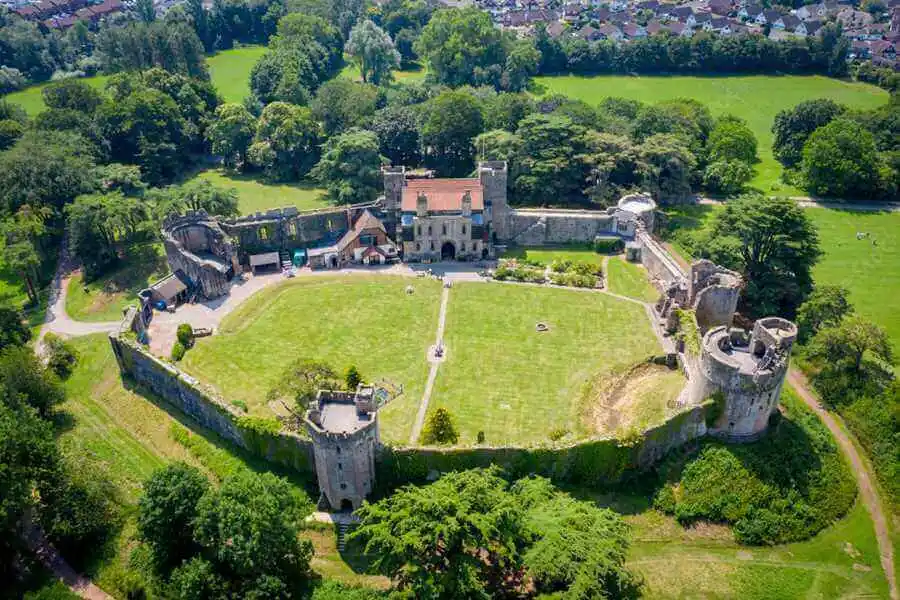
(370, 322)
(255, 195)
(755, 98)
(105, 298)
(628, 279)
(518, 385)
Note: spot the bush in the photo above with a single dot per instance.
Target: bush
(185, 335)
(178, 351)
(352, 378)
(609, 245)
(561, 266)
(876, 423)
(61, 356)
(784, 488)
(440, 429)
(240, 404)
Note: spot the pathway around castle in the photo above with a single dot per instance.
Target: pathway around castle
(863, 474)
(432, 374)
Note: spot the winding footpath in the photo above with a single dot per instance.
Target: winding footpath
(864, 478)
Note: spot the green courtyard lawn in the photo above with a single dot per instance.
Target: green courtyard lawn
(415, 73)
(105, 298)
(518, 385)
(370, 322)
(547, 254)
(229, 71)
(255, 195)
(628, 279)
(755, 98)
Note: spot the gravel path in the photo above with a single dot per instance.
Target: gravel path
(50, 558)
(807, 202)
(864, 478)
(432, 374)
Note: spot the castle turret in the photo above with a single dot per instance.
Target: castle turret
(394, 179)
(492, 175)
(344, 430)
(748, 373)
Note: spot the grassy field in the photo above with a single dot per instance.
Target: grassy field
(229, 71)
(630, 280)
(31, 100)
(517, 385)
(351, 71)
(255, 195)
(871, 272)
(104, 299)
(575, 253)
(757, 99)
(368, 322)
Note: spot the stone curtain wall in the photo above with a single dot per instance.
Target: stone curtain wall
(658, 262)
(592, 462)
(539, 228)
(204, 406)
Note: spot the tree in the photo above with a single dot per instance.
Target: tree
(61, 355)
(372, 49)
(249, 528)
(341, 104)
(727, 177)
(522, 63)
(197, 579)
(27, 382)
(302, 380)
(13, 331)
(670, 167)
(840, 159)
(230, 134)
(198, 194)
(793, 126)
(350, 167)
(682, 117)
(44, 169)
(10, 132)
(457, 41)
(138, 46)
(731, 139)
(440, 428)
(548, 165)
(506, 110)
(497, 144)
(455, 538)
(286, 142)
(72, 94)
(826, 306)
(452, 121)
(167, 510)
(773, 244)
(145, 10)
(397, 128)
(352, 378)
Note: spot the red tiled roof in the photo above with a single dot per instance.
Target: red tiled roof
(442, 194)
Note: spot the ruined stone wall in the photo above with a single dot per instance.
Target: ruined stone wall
(713, 293)
(540, 228)
(663, 269)
(206, 408)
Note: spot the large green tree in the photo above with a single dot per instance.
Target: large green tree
(397, 128)
(793, 126)
(773, 244)
(72, 94)
(286, 143)
(840, 159)
(373, 51)
(457, 42)
(549, 166)
(341, 104)
(452, 121)
(350, 167)
(670, 167)
(826, 306)
(730, 140)
(230, 133)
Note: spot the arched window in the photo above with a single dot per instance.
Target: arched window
(444, 229)
(464, 229)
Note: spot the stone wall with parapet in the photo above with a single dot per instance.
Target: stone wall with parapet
(599, 461)
(659, 263)
(543, 227)
(204, 405)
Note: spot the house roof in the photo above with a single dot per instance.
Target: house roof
(442, 194)
(365, 221)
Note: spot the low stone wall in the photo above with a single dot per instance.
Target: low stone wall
(590, 462)
(204, 406)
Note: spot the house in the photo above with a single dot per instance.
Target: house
(790, 23)
(704, 20)
(651, 5)
(618, 5)
(751, 12)
(720, 25)
(883, 48)
(600, 14)
(654, 27)
(572, 11)
(772, 17)
(589, 34)
(859, 49)
(367, 243)
(610, 32)
(633, 31)
(720, 7)
(556, 29)
(684, 14)
(680, 29)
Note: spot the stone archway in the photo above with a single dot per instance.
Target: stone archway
(346, 505)
(448, 251)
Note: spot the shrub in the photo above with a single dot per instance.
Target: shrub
(185, 335)
(584, 268)
(240, 404)
(440, 428)
(609, 245)
(561, 266)
(558, 434)
(178, 351)
(480, 437)
(61, 356)
(352, 378)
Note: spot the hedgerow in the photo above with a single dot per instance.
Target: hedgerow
(784, 488)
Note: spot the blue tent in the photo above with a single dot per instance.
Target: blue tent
(299, 257)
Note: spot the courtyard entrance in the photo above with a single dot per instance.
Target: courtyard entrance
(448, 251)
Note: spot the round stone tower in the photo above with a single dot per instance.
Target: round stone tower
(344, 431)
(748, 372)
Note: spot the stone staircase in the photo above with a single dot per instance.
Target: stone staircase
(285, 260)
(342, 530)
